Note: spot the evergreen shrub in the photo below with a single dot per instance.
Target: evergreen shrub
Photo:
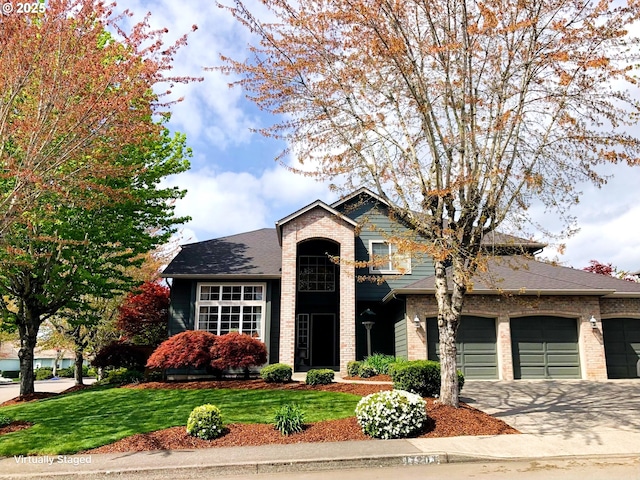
(353, 368)
(322, 376)
(366, 371)
(205, 422)
(276, 373)
(44, 373)
(421, 377)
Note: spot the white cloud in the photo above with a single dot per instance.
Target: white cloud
(225, 203)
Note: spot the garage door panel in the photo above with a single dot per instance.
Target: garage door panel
(480, 348)
(563, 372)
(532, 372)
(476, 346)
(562, 347)
(621, 346)
(530, 347)
(480, 372)
(479, 359)
(562, 359)
(545, 347)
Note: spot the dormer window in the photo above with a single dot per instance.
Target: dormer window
(384, 258)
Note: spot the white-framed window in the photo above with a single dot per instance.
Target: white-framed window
(223, 308)
(385, 258)
(316, 273)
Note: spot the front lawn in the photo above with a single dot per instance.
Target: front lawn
(95, 417)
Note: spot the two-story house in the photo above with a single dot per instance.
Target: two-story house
(522, 318)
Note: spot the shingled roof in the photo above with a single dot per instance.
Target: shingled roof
(250, 254)
(527, 276)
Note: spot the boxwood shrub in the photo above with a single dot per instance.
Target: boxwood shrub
(123, 376)
(44, 373)
(353, 368)
(323, 376)
(420, 376)
(276, 373)
(205, 422)
(366, 371)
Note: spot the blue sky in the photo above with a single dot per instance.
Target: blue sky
(235, 185)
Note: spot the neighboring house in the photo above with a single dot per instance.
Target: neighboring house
(9, 360)
(522, 318)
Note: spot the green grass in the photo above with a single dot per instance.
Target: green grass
(95, 417)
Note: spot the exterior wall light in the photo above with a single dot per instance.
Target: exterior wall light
(593, 322)
(416, 321)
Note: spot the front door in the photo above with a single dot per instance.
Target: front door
(323, 340)
(316, 341)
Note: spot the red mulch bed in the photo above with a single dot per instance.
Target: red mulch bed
(14, 427)
(41, 395)
(444, 422)
(28, 398)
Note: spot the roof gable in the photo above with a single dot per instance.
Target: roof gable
(255, 253)
(308, 208)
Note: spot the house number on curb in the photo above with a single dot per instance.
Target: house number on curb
(421, 460)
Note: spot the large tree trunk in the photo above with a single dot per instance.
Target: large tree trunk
(28, 325)
(449, 313)
(77, 371)
(25, 354)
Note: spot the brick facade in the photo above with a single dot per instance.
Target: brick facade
(502, 308)
(318, 223)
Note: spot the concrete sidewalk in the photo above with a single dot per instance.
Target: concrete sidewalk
(330, 456)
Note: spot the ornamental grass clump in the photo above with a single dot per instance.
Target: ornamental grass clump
(289, 419)
(205, 422)
(391, 414)
(380, 362)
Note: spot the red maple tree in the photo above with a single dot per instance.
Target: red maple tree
(600, 268)
(189, 349)
(144, 315)
(237, 350)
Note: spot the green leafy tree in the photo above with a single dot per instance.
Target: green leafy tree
(65, 254)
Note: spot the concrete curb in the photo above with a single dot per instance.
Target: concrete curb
(315, 465)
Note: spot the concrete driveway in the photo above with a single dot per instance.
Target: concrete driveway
(567, 407)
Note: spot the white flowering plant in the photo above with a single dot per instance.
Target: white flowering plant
(205, 422)
(391, 414)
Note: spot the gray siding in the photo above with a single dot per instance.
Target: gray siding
(375, 223)
(181, 310)
(401, 348)
(272, 319)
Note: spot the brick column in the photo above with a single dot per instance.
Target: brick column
(318, 223)
(288, 297)
(417, 337)
(505, 354)
(592, 356)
